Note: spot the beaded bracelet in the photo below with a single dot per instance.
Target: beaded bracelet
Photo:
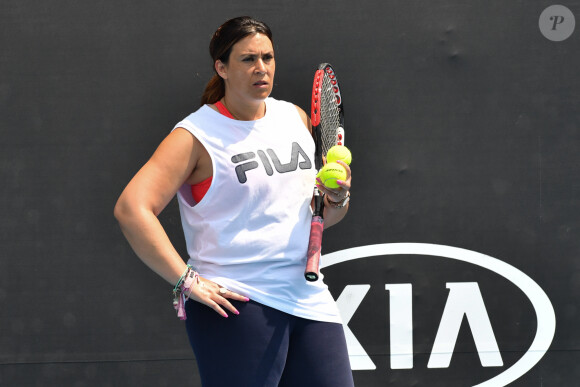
(340, 204)
(178, 284)
(185, 282)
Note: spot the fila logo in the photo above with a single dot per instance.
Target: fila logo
(465, 301)
(246, 162)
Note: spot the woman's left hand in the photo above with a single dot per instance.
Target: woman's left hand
(337, 194)
(215, 296)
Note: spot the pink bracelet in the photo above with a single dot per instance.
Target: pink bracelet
(186, 282)
(190, 278)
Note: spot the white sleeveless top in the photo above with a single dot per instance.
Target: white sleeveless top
(250, 231)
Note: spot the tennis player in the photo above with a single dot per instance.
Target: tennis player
(243, 171)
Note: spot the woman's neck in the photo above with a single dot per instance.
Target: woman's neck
(245, 112)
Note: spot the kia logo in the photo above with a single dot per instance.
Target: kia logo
(464, 301)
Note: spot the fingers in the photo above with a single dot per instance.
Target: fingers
(346, 167)
(226, 293)
(335, 194)
(222, 299)
(339, 193)
(346, 183)
(215, 296)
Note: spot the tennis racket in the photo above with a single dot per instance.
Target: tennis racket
(327, 117)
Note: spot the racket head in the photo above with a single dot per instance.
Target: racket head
(327, 111)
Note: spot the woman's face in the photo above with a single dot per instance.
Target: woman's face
(249, 73)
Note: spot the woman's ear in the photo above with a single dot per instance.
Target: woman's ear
(221, 69)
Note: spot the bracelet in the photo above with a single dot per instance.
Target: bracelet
(185, 282)
(178, 284)
(190, 278)
(340, 204)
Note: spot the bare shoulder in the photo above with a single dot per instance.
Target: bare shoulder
(305, 118)
(179, 140)
(159, 179)
(177, 154)
(184, 150)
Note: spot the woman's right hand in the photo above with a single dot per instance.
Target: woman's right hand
(215, 296)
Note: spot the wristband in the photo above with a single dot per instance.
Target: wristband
(178, 284)
(190, 278)
(339, 204)
(185, 282)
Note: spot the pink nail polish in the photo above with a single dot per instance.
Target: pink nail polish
(246, 299)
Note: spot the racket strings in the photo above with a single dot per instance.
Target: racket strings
(329, 113)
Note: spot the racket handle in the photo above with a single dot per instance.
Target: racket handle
(314, 249)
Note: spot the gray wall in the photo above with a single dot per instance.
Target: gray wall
(463, 120)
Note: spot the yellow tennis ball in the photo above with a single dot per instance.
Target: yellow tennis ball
(339, 152)
(330, 173)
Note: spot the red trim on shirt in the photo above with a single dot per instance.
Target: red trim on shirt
(223, 110)
(200, 189)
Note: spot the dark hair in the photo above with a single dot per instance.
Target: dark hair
(220, 48)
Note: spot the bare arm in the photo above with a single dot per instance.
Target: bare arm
(147, 194)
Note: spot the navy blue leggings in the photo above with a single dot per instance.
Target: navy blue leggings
(263, 347)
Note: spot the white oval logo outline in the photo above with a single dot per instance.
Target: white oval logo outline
(545, 314)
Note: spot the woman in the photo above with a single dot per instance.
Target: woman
(246, 217)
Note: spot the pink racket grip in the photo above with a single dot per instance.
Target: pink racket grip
(314, 249)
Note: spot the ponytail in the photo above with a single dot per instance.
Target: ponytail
(214, 90)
